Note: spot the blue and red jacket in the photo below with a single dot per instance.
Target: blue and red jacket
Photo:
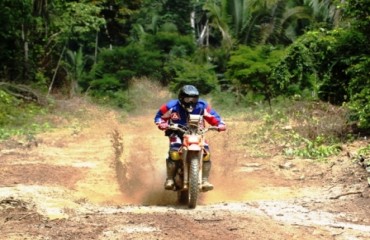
(173, 111)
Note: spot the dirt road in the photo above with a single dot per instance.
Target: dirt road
(102, 178)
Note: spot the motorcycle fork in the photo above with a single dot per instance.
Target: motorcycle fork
(186, 167)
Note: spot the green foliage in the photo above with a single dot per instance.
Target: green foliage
(365, 151)
(107, 90)
(359, 89)
(176, 12)
(114, 70)
(356, 69)
(103, 85)
(249, 70)
(74, 65)
(165, 15)
(77, 19)
(313, 149)
(16, 19)
(200, 75)
(8, 111)
(358, 13)
(331, 64)
(126, 62)
(303, 64)
(119, 98)
(223, 100)
(16, 117)
(37, 31)
(170, 43)
(306, 129)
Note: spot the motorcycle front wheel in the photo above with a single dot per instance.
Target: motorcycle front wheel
(193, 181)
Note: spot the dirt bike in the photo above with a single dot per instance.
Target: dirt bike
(188, 178)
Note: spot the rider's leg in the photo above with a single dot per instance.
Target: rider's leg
(171, 162)
(206, 169)
(171, 171)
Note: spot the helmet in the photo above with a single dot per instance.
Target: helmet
(188, 97)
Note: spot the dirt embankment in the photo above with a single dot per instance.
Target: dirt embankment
(103, 179)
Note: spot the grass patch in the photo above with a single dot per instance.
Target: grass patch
(19, 118)
(304, 129)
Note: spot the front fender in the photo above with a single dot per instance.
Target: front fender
(194, 147)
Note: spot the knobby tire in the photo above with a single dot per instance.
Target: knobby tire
(193, 182)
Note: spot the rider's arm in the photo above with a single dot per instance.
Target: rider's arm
(161, 119)
(164, 112)
(212, 117)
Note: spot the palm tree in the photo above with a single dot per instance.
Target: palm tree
(74, 65)
(261, 22)
(217, 20)
(324, 11)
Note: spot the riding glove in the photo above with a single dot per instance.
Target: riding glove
(162, 125)
(221, 127)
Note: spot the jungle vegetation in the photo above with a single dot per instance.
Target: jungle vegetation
(244, 51)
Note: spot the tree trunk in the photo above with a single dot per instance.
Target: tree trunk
(26, 53)
(96, 47)
(56, 69)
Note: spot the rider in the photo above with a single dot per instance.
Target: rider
(177, 111)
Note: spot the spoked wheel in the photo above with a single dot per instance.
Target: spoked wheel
(193, 182)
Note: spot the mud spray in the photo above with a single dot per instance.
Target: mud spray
(140, 181)
(140, 177)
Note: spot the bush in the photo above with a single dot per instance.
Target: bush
(304, 65)
(200, 75)
(170, 43)
(9, 108)
(359, 89)
(127, 62)
(16, 117)
(333, 65)
(110, 78)
(307, 129)
(249, 70)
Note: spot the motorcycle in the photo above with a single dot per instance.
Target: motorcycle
(188, 178)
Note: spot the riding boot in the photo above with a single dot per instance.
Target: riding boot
(171, 170)
(206, 186)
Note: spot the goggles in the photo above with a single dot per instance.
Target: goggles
(190, 99)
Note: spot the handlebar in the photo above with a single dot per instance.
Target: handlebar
(184, 129)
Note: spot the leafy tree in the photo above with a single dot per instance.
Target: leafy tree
(74, 26)
(178, 13)
(119, 66)
(170, 43)
(298, 69)
(15, 29)
(74, 64)
(187, 72)
(325, 13)
(269, 21)
(356, 47)
(359, 91)
(334, 63)
(154, 15)
(119, 17)
(249, 70)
